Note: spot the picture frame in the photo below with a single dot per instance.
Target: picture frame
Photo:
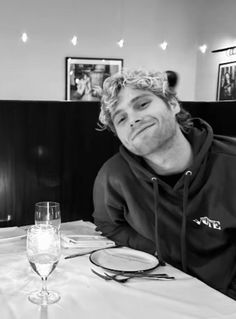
(226, 83)
(85, 76)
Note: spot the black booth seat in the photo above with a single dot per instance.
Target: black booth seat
(51, 150)
(220, 115)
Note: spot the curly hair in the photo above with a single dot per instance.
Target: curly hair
(155, 82)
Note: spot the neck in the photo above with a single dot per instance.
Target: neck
(174, 158)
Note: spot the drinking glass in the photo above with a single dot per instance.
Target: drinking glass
(43, 252)
(48, 213)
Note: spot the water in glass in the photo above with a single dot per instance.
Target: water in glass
(43, 252)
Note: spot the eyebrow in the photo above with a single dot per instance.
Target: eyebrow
(132, 101)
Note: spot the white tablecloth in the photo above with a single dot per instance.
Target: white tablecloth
(85, 296)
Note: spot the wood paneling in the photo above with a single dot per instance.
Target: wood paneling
(50, 151)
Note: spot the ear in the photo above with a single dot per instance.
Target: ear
(174, 106)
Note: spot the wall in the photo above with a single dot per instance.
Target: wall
(217, 29)
(36, 70)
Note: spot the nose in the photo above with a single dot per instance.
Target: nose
(132, 123)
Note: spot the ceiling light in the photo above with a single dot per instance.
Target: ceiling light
(163, 45)
(24, 37)
(203, 48)
(121, 43)
(74, 40)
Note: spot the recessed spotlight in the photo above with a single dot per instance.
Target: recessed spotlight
(24, 37)
(74, 40)
(203, 48)
(164, 45)
(121, 43)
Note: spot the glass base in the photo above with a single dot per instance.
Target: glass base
(43, 299)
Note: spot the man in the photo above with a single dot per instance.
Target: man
(170, 190)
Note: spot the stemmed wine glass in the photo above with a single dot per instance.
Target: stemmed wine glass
(43, 252)
(48, 213)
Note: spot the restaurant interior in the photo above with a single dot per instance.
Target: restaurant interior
(51, 147)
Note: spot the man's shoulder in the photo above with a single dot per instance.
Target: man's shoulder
(116, 165)
(224, 144)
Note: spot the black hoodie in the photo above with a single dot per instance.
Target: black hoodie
(191, 224)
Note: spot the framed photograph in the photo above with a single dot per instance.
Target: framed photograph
(226, 84)
(85, 76)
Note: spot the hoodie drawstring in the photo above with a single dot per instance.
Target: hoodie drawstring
(184, 220)
(156, 196)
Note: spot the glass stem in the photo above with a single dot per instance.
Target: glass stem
(44, 291)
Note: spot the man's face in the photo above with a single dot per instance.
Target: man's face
(144, 123)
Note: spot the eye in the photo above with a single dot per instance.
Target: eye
(120, 119)
(143, 104)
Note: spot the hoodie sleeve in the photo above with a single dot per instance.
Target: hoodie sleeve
(109, 217)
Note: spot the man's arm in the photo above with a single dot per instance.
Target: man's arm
(110, 220)
(125, 235)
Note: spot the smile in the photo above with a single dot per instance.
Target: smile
(141, 130)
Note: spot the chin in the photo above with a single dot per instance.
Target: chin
(140, 150)
(142, 146)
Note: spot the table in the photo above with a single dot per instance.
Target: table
(86, 296)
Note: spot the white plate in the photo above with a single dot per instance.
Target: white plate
(123, 259)
(9, 233)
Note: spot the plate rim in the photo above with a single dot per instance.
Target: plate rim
(123, 271)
